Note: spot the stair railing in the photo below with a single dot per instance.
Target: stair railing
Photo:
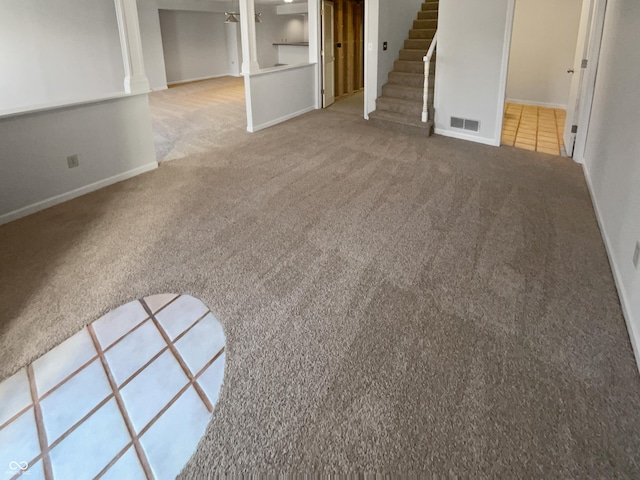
(427, 68)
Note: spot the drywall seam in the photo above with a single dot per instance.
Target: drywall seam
(622, 293)
(63, 197)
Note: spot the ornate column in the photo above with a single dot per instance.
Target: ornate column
(248, 34)
(135, 79)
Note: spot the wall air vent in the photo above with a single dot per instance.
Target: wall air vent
(465, 124)
(457, 122)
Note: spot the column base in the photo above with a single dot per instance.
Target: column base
(136, 84)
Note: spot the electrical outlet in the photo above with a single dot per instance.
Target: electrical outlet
(73, 161)
(636, 256)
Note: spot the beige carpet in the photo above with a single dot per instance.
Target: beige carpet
(391, 304)
(353, 104)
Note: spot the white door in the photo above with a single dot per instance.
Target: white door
(582, 47)
(583, 71)
(328, 58)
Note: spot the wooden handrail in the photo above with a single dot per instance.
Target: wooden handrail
(427, 67)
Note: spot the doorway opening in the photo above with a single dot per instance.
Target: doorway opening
(541, 64)
(192, 59)
(582, 71)
(343, 28)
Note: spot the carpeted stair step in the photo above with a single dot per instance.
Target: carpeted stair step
(421, 24)
(410, 79)
(404, 91)
(408, 66)
(417, 44)
(423, 33)
(401, 123)
(411, 54)
(401, 104)
(427, 14)
(409, 108)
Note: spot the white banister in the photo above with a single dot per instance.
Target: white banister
(427, 68)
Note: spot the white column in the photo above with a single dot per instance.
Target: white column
(135, 79)
(248, 34)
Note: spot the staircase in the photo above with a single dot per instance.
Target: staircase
(400, 106)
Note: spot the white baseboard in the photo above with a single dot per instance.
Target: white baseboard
(467, 137)
(63, 197)
(187, 80)
(634, 334)
(256, 128)
(537, 104)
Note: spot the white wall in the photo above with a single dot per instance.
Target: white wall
(194, 45)
(149, 17)
(542, 49)
(55, 51)
(113, 140)
(612, 154)
(471, 50)
(269, 32)
(234, 48)
(148, 13)
(273, 29)
(395, 20)
(295, 28)
(279, 95)
(292, 54)
(59, 60)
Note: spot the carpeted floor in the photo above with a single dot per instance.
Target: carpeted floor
(391, 304)
(353, 104)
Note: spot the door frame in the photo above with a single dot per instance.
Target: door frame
(371, 20)
(588, 89)
(589, 84)
(577, 82)
(323, 52)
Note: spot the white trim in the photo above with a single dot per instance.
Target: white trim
(315, 57)
(284, 118)
(197, 79)
(135, 79)
(160, 89)
(63, 197)
(464, 136)
(280, 68)
(634, 335)
(537, 104)
(504, 71)
(371, 65)
(589, 87)
(577, 80)
(67, 104)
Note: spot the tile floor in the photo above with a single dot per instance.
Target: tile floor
(127, 397)
(533, 128)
